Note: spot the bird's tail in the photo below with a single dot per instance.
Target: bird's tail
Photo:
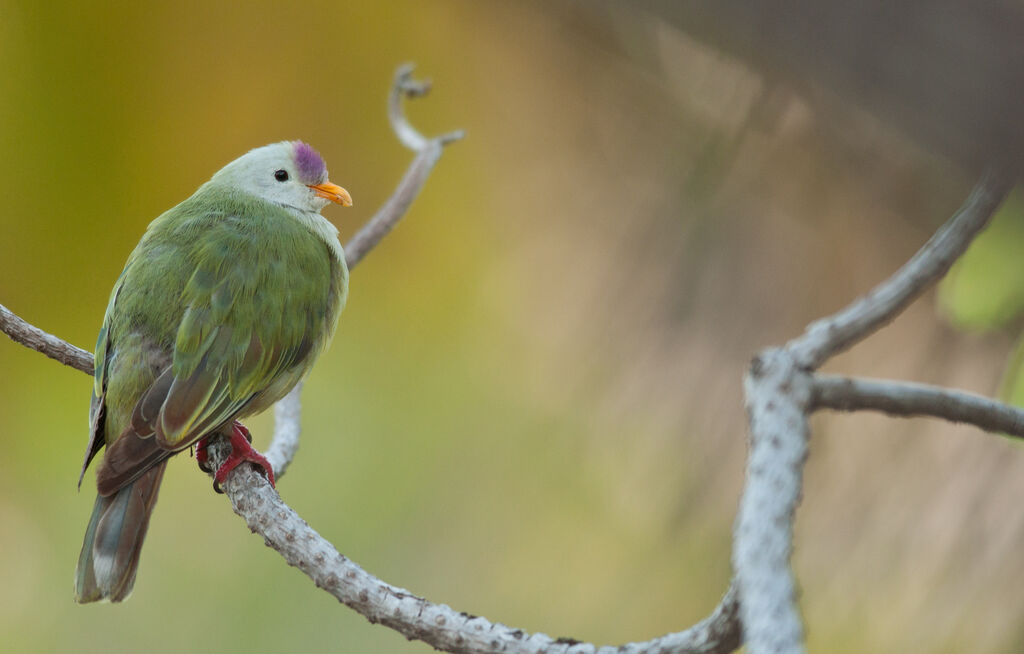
(113, 541)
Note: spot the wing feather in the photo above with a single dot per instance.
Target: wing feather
(97, 403)
(253, 317)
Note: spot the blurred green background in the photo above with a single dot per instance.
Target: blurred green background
(532, 409)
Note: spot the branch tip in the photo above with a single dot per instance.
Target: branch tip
(907, 400)
(451, 137)
(405, 86)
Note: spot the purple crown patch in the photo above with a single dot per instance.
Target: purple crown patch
(312, 168)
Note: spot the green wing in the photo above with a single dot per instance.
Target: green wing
(256, 313)
(101, 360)
(254, 310)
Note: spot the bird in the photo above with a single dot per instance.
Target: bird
(221, 309)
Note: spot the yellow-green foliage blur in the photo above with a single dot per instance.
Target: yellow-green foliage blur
(532, 408)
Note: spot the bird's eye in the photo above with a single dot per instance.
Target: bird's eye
(281, 175)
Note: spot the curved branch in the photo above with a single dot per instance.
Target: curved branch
(416, 618)
(829, 336)
(405, 86)
(908, 400)
(428, 152)
(287, 427)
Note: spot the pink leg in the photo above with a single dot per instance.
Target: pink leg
(241, 451)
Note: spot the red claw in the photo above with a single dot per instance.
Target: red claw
(241, 451)
(202, 456)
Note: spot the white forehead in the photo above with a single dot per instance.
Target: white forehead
(275, 154)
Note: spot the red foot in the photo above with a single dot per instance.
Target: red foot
(201, 455)
(241, 452)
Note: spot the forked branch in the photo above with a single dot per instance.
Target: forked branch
(782, 389)
(829, 336)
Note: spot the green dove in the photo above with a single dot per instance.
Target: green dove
(221, 309)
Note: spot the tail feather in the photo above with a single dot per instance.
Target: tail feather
(113, 540)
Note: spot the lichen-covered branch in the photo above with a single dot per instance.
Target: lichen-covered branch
(777, 394)
(906, 399)
(780, 393)
(416, 618)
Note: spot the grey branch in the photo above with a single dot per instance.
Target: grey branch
(907, 400)
(416, 618)
(777, 394)
(830, 336)
(405, 85)
(287, 427)
(780, 392)
(302, 547)
(35, 338)
(428, 151)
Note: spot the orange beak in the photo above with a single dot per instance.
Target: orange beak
(333, 192)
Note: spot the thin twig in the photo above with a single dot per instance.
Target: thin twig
(428, 152)
(287, 427)
(829, 336)
(35, 338)
(906, 399)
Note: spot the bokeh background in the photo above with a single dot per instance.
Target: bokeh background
(532, 410)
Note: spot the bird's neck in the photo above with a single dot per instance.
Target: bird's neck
(217, 195)
(321, 228)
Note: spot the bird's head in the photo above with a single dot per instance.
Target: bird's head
(290, 174)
